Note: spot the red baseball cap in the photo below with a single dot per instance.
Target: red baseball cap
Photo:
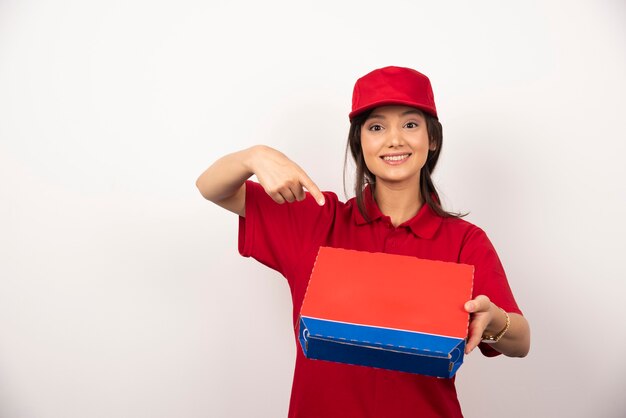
(393, 85)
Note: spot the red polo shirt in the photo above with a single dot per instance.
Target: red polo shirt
(287, 237)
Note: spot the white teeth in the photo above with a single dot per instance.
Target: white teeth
(395, 157)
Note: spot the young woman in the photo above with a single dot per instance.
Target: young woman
(395, 139)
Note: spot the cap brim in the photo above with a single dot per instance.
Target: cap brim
(369, 106)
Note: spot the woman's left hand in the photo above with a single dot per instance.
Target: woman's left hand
(482, 315)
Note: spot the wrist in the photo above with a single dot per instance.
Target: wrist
(498, 327)
(251, 155)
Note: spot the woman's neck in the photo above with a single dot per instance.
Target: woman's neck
(400, 203)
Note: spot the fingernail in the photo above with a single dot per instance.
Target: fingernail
(321, 202)
(469, 306)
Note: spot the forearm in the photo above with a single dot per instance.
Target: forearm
(225, 177)
(516, 341)
(223, 182)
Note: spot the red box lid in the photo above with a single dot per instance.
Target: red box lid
(391, 291)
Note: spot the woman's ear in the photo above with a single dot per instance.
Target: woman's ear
(432, 146)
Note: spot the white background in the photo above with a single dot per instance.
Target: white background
(121, 290)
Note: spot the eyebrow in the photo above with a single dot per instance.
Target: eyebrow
(406, 112)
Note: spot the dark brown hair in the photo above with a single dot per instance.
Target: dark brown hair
(364, 176)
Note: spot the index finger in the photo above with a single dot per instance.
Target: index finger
(313, 189)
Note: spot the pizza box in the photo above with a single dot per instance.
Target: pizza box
(387, 311)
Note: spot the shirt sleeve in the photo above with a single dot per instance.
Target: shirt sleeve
(278, 234)
(489, 276)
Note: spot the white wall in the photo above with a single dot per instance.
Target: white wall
(121, 290)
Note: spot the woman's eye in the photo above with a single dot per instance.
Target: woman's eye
(411, 125)
(375, 128)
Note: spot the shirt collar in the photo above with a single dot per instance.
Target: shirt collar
(424, 224)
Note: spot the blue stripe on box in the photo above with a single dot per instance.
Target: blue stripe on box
(386, 348)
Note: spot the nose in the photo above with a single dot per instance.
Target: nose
(394, 138)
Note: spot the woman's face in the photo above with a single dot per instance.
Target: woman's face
(395, 144)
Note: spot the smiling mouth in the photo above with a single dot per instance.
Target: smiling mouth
(395, 158)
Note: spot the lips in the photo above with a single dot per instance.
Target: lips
(396, 158)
